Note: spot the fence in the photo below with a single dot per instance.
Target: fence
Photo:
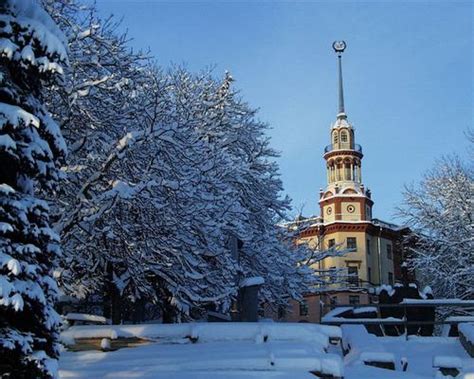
(405, 305)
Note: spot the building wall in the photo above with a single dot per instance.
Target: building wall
(371, 253)
(317, 306)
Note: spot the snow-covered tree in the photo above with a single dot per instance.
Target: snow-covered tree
(98, 107)
(32, 54)
(440, 211)
(164, 170)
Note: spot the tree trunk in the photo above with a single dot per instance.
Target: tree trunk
(112, 300)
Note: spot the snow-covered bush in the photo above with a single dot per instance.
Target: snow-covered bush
(440, 212)
(32, 55)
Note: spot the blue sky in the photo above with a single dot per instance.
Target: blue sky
(407, 75)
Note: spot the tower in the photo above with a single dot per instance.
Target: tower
(345, 197)
(374, 253)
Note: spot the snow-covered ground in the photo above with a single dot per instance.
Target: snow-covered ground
(247, 350)
(419, 351)
(237, 359)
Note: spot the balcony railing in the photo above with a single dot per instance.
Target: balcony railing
(342, 146)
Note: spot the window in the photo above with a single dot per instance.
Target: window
(343, 136)
(354, 299)
(390, 278)
(331, 243)
(389, 251)
(333, 273)
(335, 138)
(368, 247)
(347, 171)
(333, 300)
(369, 274)
(303, 308)
(351, 243)
(353, 275)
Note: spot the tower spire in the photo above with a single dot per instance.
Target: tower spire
(339, 47)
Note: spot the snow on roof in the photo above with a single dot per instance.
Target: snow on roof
(335, 312)
(388, 225)
(341, 123)
(365, 310)
(253, 281)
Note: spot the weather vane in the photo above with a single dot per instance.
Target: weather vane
(339, 47)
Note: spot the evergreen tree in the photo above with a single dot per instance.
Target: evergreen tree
(31, 147)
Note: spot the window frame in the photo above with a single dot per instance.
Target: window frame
(354, 297)
(389, 251)
(303, 308)
(354, 240)
(353, 280)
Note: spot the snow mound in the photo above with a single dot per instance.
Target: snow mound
(467, 330)
(218, 346)
(447, 361)
(253, 281)
(211, 332)
(364, 347)
(85, 317)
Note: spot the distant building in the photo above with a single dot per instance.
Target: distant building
(346, 222)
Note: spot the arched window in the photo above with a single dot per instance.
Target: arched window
(343, 136)
(334, 138)
(347, 171)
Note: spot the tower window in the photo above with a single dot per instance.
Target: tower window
(347, 172)
(343, 136)
(368, 247)
(335, 139)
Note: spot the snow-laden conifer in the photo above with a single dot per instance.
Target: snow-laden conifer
(32, 55)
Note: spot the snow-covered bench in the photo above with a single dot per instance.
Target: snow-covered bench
(466, 336)
(238, 346)
(364, 347)
(447, 365)
(212, 332)
(73, 318)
